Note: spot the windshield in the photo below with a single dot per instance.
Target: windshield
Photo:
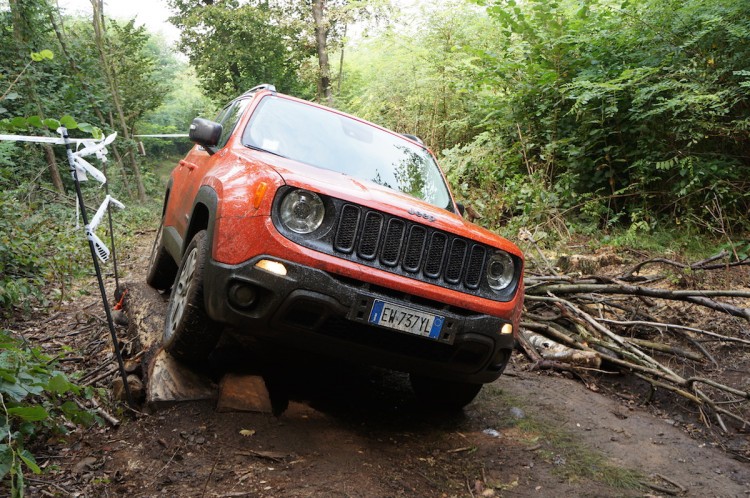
(332, 141)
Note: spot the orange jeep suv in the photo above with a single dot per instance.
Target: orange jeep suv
(304, 226)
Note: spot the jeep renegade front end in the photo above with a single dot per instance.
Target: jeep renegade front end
(313, 229)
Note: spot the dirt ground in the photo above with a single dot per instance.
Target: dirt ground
(354, 431)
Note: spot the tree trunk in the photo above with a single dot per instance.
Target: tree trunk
(19, 29)
(321, 43)
(60, 34)
(99, 38)
(341, 63)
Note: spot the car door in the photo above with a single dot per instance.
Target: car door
(189, 174)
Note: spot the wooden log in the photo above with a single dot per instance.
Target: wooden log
(551, 350)
(146, 308)
(243, 393)
(169, 382)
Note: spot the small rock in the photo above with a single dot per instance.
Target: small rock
(491, 432)
(134, 384)
(120, 318)
(517, 413)
(132, 366)
(200, 440)
(84, 464)
(243, 393)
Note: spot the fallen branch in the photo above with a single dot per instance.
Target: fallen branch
(106, 374)
(551, 350)
(700, 265)
(568, 318)
(672, 326)
(665, 348)
(694, 296)
(114, 422)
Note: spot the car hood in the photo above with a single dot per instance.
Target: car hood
(378, 197)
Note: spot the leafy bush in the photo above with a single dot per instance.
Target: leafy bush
(38, 247)
(489, 179)
(35, 399)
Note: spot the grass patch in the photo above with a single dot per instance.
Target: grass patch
(571, 459)
(673, 242)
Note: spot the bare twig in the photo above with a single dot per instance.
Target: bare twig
(692, 296)
(114, 422)
(672, 326)
(106, 374)
(208, 479)
(700, 265)
(589, 314)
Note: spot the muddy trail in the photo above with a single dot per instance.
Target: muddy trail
(353, 431)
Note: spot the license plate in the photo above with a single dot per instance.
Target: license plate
(406, 319)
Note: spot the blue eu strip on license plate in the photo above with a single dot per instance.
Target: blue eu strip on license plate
(406, 319)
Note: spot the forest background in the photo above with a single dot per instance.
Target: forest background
(574, 121)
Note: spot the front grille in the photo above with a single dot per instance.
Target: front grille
(368, 244)
(394, 237)
(401, 246)
(348, 229)
(410, 248)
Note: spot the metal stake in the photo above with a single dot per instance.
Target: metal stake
(99, 278)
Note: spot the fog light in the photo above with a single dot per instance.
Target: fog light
(242, 295)
(507, 329)
(272, 266)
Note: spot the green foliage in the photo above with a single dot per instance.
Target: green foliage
(234, 46)
(417, 80)
(142, 88)
(35, 398)
(181, 105)
(635, 98)
(39, 249)
(40, 56)
(611, 113)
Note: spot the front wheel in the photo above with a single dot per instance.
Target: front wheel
(445, 394)
(189, 334)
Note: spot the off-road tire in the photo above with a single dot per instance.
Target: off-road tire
(189, 334)
(161, 267)
(443, 394)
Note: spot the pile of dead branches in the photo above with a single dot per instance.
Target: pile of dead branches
(600, 323)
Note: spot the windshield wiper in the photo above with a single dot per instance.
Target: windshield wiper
(261, 149)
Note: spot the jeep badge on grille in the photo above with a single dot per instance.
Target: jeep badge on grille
(426, 216)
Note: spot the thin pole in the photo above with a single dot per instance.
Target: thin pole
(99, 278)
(118, 292)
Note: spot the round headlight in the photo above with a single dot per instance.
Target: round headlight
(302, 211)
(500, 271)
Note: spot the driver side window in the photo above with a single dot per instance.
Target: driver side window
(228, 118)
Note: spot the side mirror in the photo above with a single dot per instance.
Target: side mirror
(206, 133)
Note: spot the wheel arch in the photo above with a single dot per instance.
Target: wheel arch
(166, 200)
(203, 216)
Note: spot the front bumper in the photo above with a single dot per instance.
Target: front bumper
(312, 310)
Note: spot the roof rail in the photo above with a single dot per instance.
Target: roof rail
(264, 86)
(413, 138)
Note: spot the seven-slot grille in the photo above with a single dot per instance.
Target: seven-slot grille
(394, 244)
